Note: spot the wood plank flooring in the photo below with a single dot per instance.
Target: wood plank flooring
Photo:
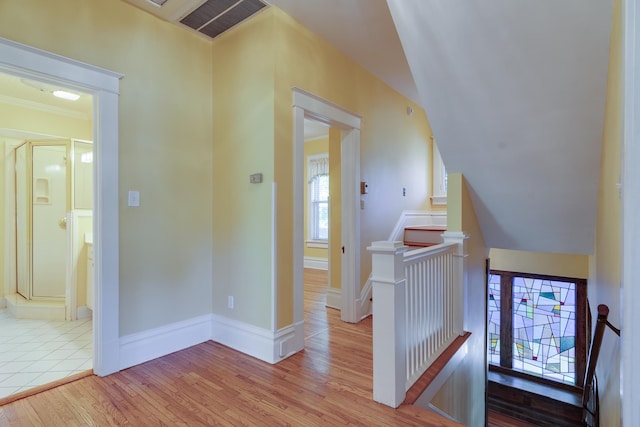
(329, 383)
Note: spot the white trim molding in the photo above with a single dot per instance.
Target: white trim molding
(153, 343)
(316, 263)
(321, 244)
(104, 85)
(416, 219)
(260, 343)
(334, 298)
(630, 292)
(307, 105)
(406, 219)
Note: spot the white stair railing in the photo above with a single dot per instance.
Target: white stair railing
(417, 311)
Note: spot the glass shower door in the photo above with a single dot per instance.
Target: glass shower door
(50, 189)
(22, 222)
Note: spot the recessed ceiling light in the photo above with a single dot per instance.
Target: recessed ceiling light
(66, 95)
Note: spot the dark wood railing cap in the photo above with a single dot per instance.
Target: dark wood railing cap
(603, 310)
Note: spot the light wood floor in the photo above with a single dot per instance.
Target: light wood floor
(329, 383)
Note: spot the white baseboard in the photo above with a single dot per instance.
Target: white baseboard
(258, 342)
(364, 302)
(317, 263)
(334, 298)
(144, 346)
(84, 312)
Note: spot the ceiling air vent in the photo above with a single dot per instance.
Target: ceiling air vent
(214, 17)
(158, 2)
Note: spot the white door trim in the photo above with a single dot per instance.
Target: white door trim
(311, 106)
(26, 61)
(630, 344)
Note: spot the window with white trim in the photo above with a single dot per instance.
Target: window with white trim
(318, 167)
(439, 196)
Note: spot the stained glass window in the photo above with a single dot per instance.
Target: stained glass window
(548, 334)
(494, 319)
(544, 328)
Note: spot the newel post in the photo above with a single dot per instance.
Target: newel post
(460, 277)
(389, 359)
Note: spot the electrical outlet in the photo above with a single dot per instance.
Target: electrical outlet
(230, 302)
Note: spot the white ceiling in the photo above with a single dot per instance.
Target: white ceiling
(363, 30)
(515, 92)
(14, 91)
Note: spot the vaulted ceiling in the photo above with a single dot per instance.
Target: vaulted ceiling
(514, 90)
(515, 93)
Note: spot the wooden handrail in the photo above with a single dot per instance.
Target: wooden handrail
(601, 323)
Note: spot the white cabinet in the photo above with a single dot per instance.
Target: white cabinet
(90, 276)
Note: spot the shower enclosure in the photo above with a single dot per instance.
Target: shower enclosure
(53, 186)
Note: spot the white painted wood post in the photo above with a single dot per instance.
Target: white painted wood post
(389, 348)
(459, 279)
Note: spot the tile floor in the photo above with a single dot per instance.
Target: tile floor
(37, 352)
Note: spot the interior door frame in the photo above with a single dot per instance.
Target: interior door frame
(307, 105)
(104, 85)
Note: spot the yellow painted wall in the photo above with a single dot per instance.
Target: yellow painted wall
(565, 265)
(40, 122)
(164, 148)
(243, 140)
(316, 146)
(394, 152)
(604, 282)
(462, 396)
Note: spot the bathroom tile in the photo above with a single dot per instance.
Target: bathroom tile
(68, 365)
(20, 379)
(13, 367)
(8, 391)
(37, 352)
(61, 354)
(10, 356)
(41, 366)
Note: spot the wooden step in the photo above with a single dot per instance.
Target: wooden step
(532, 402)
(423, 236)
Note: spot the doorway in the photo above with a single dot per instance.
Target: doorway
(27, 62)
(306, 105)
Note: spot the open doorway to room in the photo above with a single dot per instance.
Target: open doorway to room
(46, 218)
(104, 85)
(343, 239)
(321, 301)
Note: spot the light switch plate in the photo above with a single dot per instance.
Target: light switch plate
(134, 198)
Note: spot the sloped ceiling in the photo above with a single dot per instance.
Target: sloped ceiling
(514, 90)
(515, 93)
(363, 30)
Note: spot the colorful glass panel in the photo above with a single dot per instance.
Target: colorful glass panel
(493, 327)
(544, 328)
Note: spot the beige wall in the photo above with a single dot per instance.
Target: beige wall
(564, 265)
(605, 279)
(394, 151)
(243, 133)
(164, 145)
(255, 67)
(463, 395)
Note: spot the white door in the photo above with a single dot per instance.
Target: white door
(49, 198)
